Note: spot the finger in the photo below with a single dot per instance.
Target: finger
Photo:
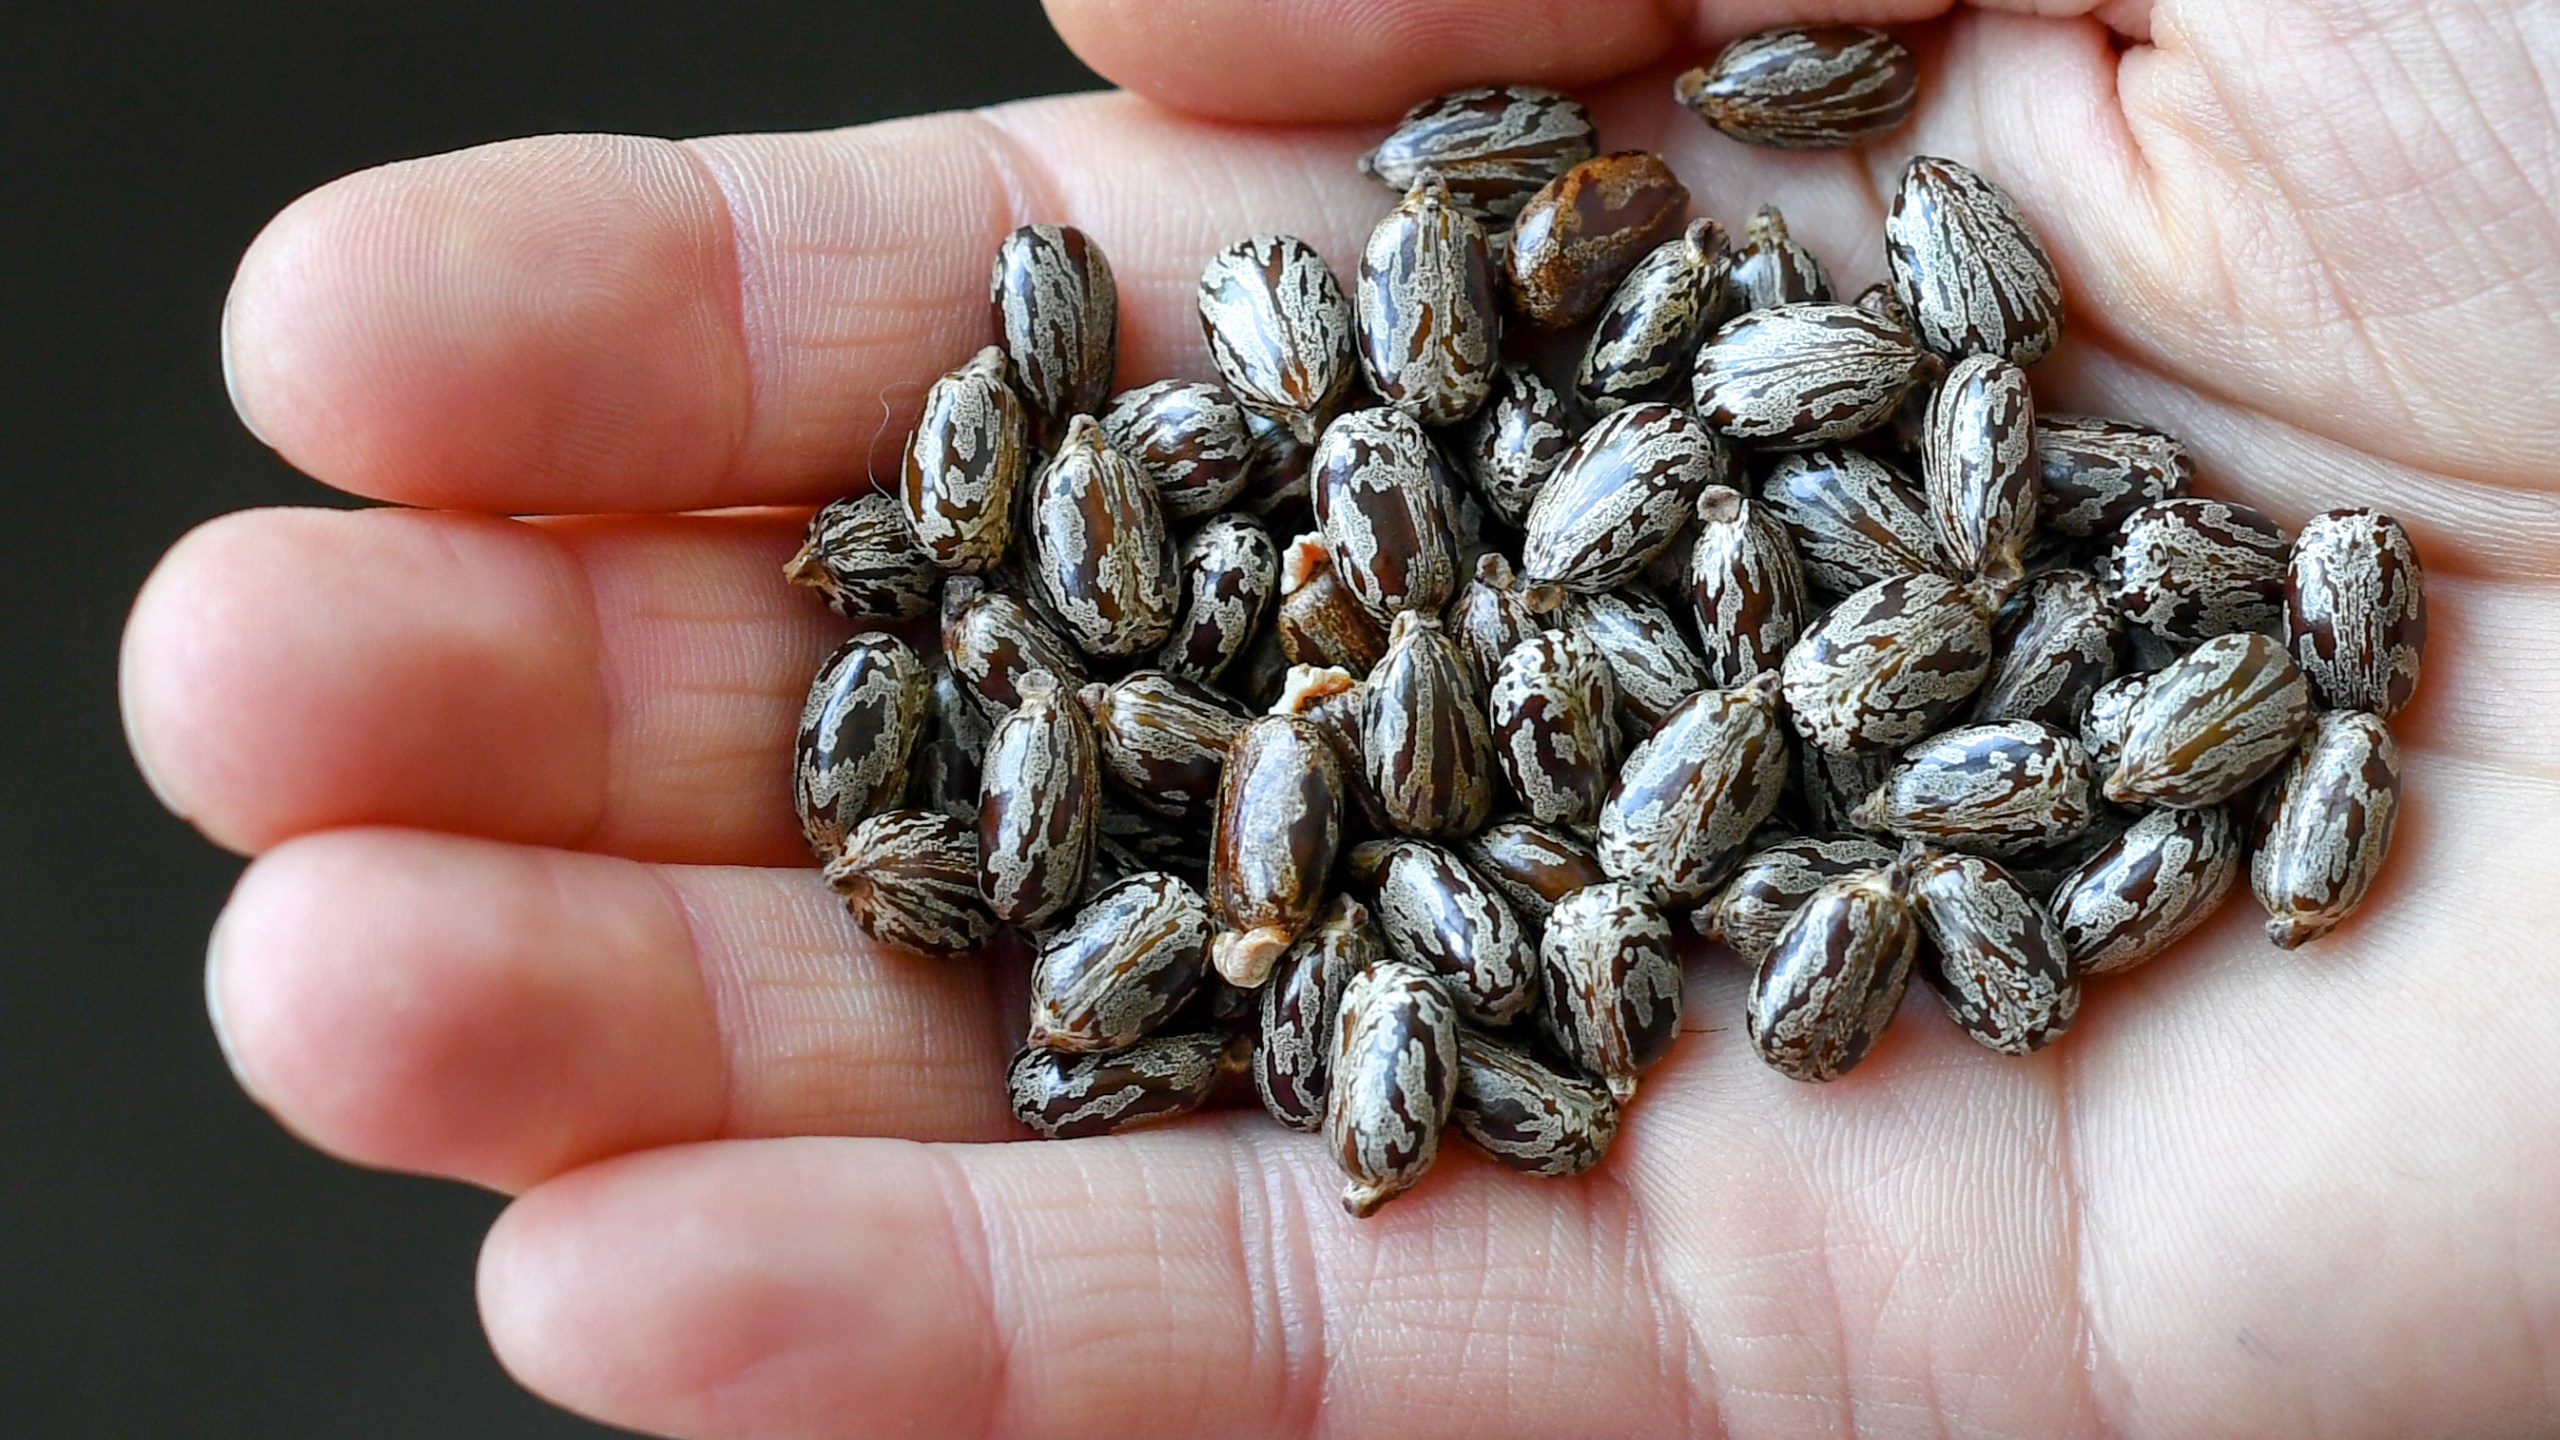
(500, 1013)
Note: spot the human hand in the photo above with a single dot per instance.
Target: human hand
(530, 908)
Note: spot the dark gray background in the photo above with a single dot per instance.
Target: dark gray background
(171, 1263)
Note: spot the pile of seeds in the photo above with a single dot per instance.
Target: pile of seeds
(1650, 625)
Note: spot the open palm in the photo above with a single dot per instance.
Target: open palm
(530, 908)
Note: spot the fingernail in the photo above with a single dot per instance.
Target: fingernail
(213, 1000)
(231, 382)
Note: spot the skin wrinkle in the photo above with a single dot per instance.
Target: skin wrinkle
(973, 1240)
(717, 1000)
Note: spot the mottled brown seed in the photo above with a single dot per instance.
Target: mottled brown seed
(1818, 87)
(1292, 1065)
(1796, 376)
(1036, 805)
(1855, 519)
(2356, 610)
(1554, 713)
(1058, 315)
(1772, 269)
(1230, 579)
(862, 561)
(2212, 724)
(1977, 459)
(1889, 664)
(991, 640)
(1071, 1097)
(1834, 976)
(1514, 441)
(2103, 722)
(1338, 704)
(1427, 749)
(1320, 622)
(1128, 959)
(2160, 879)
(1276, 481)
(1688, 799)
(1489, 617)
(1101, 553)
(1190, 439)
(1494, 146)
(1533, 865)
(1163, 740)
(1647, 333)
(1996, 958)
(1279, 330)
(1987, 789)
(1609, 983)
(1395, 1075)
(944, 775)
(1577, 237)
(2052, 647)
(970, 449)
(1655, 665)
(2095, 471)
(1383, 495)
(1430, 323)
(1969, 270)
(1279, 823)
(1526, 1114)
(1746, 580)
(2325, 826)
(1616, 500)
(2190, 569)
(1436, 913)
(1774, 882)
(910, 879)
(860, 722)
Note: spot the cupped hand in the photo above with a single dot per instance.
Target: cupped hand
(529, 908)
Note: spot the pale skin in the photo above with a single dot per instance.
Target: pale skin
(529, 908)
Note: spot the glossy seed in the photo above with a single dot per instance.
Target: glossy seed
(2356, 610)
(1429, 320)
(2190, 569)
(1294, 1061)
(1688, 799)
(1834, 976)
(1189, 438)
(2103, 722)
(1058, 315)
(1395, 1075)
(1382, 495)
(2212, 724)
(910, 878)
(1514, 441)
(1996, 958)
(1774, 882)
(970, 449)
(1230, 580)
(1580, 234)
(1435, 913)
(862, 561)
(1746, 580)
(1128, 959)
(1855, 519)
(2052, 648)
(1278, 825)
(1987, 789)
(1609, 983)
(1616, 500)
(1070, 1097)
(2325, 826)
(1532, 864)
(2094, 471)
(1493, 146)
(1489, 617)
(2160, 879)
(1655, 665)
(1279, 329)
(991, 640)
(1102, 556)
(1978, 462)
(1338, 704)
(1796, 376)
(1163, 739)
(1889, 664)
(1771, 269)
(860, 722)
(1647, 333)
(1554, 713)
(944, 775)
(1527, 1115)
(1036, 805)
(1817, 87)
(1969, 270)
(1320, 622)
(1427, 749)
(1276, 482)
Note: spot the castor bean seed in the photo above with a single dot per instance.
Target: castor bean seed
(1395, 1075)
(1058, 314)
(1430, 325)
(1996, 958)
(1855, 519)
(1647, 333)
(1435, 913)
(1889, 664)
(1795, 376)
(1383, 496)
(1527, 1115)
(863, 562)
(1969, 270)
(1230, 580)
(2325, 826)
(1771, 269)
(2190, 569)
(991, 640)
(2094, 471)
(2164, 876)
(2051, 649)
(1834, 976)
(1609, 983)
(1163, 739)
(1036, 802)
(910, 879)
(1986, 789)
(1279, 330)
(1977, 459)
(2212, 724)
(1190, 439)
(1775, 880)
(1129, 958)
(2103, 722)
(1278, 825)
(2356, 610)
(1320, 622)
(1488, 618)
(1616, 499)
(1818, 87)
(970, 449)
(1514, 441)
(864, 712)
(1746, 580)
(1554, 713)
(1102, 556)
(1654, 664)
(1070, 1097)
(1687, 800)
(1292, 1066)
(1580, 234)
(1494, 146)
(1534, 865)
(1427, 748)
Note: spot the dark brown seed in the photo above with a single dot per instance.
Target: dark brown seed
(969, 450)
(2190, 569)
(1889, 664)
(1320, 622)
(1616, 499)
(1533, 865)
(1259, 674)
(2095, 471)
(1189, 438)
(2356, 610)
(1428, 751)
(1648, 332)
(1071, 1097)
(1526, 1114)
(1338, 704)
(1775, 881)
(1513, 443)
(1494, 146)
(1102, 556)
(2102, 724)
(1987, 789)
(1771, 269)
(1129, 958)
(1994, 956)
(1036, 805)
(1276, 481)
(1855, 519)
(1797, 376)
(1382, 494)
(1147, 841)
(1655, 665)
(1430, 325)
(910, 877)
(864, 711)
(1688, 799)
(991, 640)
(1747, 581)
(1436, 913)
(1488, 618)
(1834, 976)
(1293, 1063)
(1279, 329)
(1230, 581)
(1163, 740)
(1554, 713)
(1818, 87)
(2051, 649)
(2043, 867)
(1584, 230)
(1395, 1075)
(944, 774)
(862, 561)
(2325, 826)
(1278, 825)
(1978, 461)
(2212, 724)
(1058, 314)
(1609, 983)
(1968, 268)
(2140, 895)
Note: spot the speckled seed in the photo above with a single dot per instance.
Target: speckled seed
(1430, 325)
(1889, 664)
(1987, 789)
(1647, 333)
(944, 773)
(970, 449)
(1533, 865)
(2140, 895)
(1293, 1062)
(1817, 87)
(1436, 913)
(1796, 376)
(1036, 805)
(1855, 519)
(1058, 314)
(2325, 826)
(2212, 724)
(1101, 554)
(1163, 740)
(2190, 569)
(1579, 235)
(910, 877)
(1189, 438)
(1128, 959)
(1230, 580)
(1278, 825)
(1968, 268)
(1994, 955)
(991, 640)
(1395, 1075)
(1655, 665)
(2051, 649)
(2102, 724)
(1526, 1114)
(1617, 498)
(1771, 269)
(1382, 494)
(1070, 1097)
(1554, 712)
(1428, 751)
(2356, 610)
(1775, 881)
(1320, 622)
(1495, 146)
(1609, 983)
(861, 560)
(1834, 976)
(1978, 461)
(1746, 579)
(1488, 618)
(860, 722)
(1279, 329)
(1687, 800)
(1276, 481)
(1515, 439)
(2095, 471)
